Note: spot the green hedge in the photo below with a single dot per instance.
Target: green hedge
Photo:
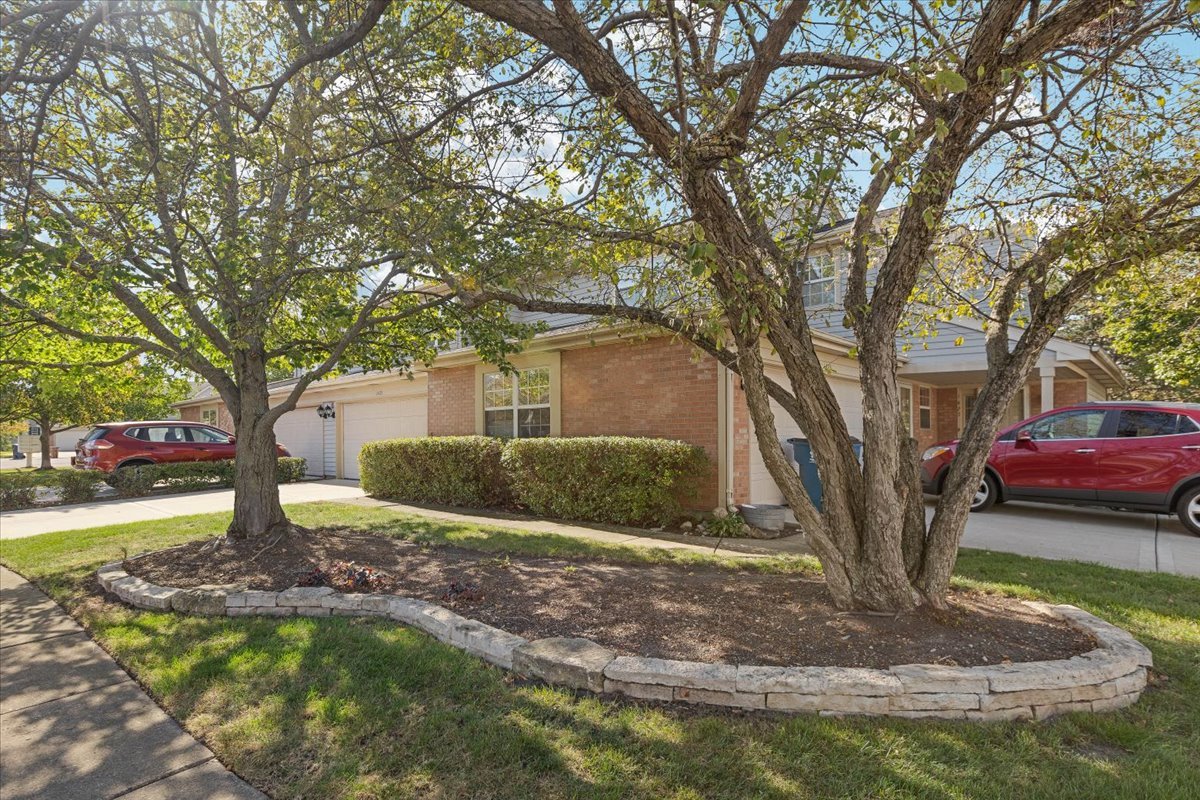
(191, 476)
(446, 470)
(19, 489)
(618, 479)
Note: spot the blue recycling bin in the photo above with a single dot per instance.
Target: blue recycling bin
(802, 453)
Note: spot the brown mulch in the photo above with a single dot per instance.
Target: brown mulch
(693, 613)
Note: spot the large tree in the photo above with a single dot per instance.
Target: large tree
(249, 197)
(723, 136)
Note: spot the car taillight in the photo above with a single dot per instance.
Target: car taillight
(101, 444)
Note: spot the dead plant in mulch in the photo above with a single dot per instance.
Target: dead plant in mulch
(346, 576)
(462, 592)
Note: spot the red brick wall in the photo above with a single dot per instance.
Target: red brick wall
(190, 413)
(945, 413)
(452, 401)
(652, 388)
(1068, 393)
(193, 414)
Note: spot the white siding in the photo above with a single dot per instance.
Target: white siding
(303, 433)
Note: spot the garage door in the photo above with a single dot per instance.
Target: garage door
(849, 397)
(307, 436)
(399, 418)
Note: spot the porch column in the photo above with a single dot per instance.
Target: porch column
(1047, 374)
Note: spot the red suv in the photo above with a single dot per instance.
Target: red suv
(1125, 455)
(114, 445)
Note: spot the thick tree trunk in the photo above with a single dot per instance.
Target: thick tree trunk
(256, 507)
(45, 438)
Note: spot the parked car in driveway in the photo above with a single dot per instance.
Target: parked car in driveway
(114, 445)
(1126, 455)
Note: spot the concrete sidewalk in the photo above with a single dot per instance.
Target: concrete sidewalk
(33, 521)
(73, 724)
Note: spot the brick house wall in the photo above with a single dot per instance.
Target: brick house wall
(650, 388)
(1069, 393)
(452, 401)
(195, 414)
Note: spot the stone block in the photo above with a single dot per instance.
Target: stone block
(1114, 703)
(1110, 637)
(818, 680)
(303, 596)
(1026, 697)
(714, 698)
(272, 611)
(665, 672)
(935, 678)
(111, 572)
(208, 602)
(438, 622)
(1001, 714)
(407, 609)
(943, 701)
(641, 691)
(491, 644)
(377, 603)
(156, 597)
(931, 713)
(836, 703)
(311, 611)
(250, 598)
(342, 601)
(576, 663)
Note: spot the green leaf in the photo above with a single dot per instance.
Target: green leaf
(950, 80)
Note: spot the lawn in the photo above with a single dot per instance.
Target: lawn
(363, 708)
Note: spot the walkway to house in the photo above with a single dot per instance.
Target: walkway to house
(73, 724)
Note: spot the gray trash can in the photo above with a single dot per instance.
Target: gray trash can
(802, 453)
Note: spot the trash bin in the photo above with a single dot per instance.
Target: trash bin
(17, 454)
(54, 451)
(802, 453)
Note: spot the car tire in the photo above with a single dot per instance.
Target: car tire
(1188, 510)
(988, 494)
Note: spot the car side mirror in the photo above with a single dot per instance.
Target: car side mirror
(1024, 438)
(233, 440)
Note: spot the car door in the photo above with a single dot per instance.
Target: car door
(1059, 459)
(1149, 453)
(167, 443)
(210, 444)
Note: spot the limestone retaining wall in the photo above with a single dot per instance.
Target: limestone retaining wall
(1111, 676)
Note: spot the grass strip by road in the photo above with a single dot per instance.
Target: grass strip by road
(362, 708)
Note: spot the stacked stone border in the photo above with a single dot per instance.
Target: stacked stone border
(1111, 676)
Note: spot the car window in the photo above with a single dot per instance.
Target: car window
(167, 434)
(1081, 424)
(207, 436)
(1151, 423)
(94, 434)
(1188, 425)
(138, 433)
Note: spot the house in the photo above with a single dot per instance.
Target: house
(31, 440)
(581, 379)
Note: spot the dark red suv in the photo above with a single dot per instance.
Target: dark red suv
(127, 444)
(1125, 455)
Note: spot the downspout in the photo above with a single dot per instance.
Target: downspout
(730, 440)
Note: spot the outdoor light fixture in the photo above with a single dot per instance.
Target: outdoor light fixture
(325, 411)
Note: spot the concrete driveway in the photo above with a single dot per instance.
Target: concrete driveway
(1145, 542)
(31, 522)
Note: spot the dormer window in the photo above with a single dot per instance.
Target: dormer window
(820, 281)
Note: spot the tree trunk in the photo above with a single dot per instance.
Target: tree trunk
(45, 439)
(256, 507)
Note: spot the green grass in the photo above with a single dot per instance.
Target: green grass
(363, 708)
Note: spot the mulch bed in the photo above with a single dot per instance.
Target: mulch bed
(693, 613)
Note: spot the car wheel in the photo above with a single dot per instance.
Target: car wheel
(987, 494)
(1188, 510)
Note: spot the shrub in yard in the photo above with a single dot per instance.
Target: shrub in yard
(18, 489)
(291, 469)
(618, 479)
(447, 470)
(78, 485)
(134, 481)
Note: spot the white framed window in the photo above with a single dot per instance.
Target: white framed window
(35, 429)
(820, 281)
(925, 407)
(517, 405)
(209, 416)
(969, 398)
(906, 408)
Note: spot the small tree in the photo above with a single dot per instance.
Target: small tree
(248, 198)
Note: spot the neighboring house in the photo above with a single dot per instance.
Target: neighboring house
(581, 379)
(31, 440)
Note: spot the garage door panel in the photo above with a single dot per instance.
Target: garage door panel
(398, 418)
(302, 432)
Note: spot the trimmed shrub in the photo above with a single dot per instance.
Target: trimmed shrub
(18, 489)
(78, 485)
(192, 476)
(445, 470)
(618, 479)
(292, 469)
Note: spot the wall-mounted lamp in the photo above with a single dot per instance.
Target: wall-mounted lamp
(325, 411)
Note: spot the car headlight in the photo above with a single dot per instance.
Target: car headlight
(934, 452)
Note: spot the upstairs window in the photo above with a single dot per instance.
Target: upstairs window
(820, 279)
(517, 406)
(925, 404)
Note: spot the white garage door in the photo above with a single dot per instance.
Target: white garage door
(303, 433)
(398, 418)
(762, 485)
